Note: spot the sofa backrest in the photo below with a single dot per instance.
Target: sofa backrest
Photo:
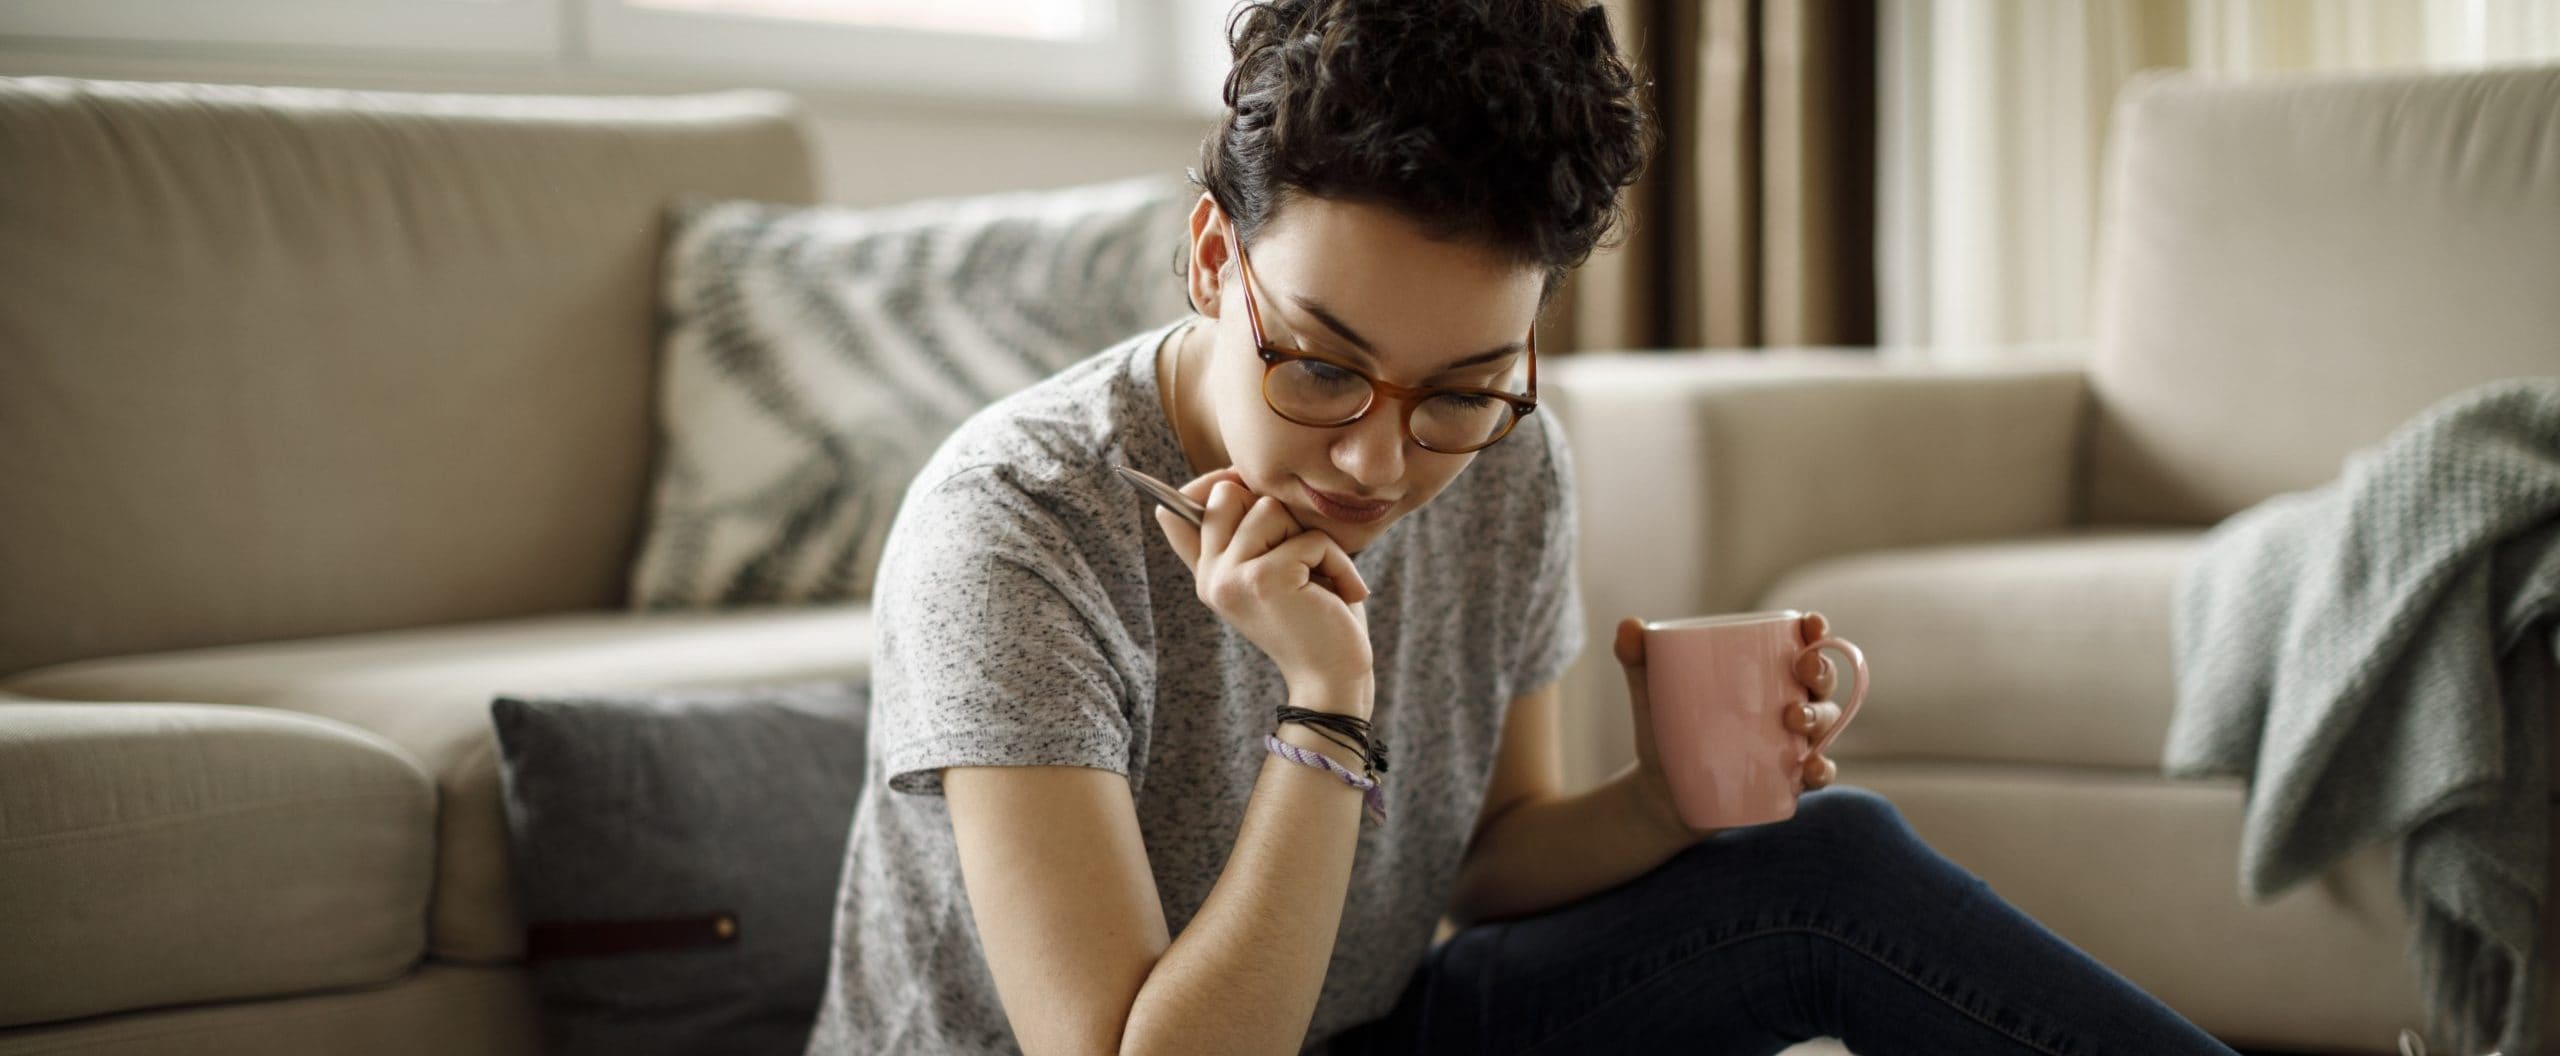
(2293, 266)
(288, 362)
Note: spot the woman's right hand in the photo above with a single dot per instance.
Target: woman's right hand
(1257, 568)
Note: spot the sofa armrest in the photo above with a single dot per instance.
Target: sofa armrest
(166, 854)
(1704, 477)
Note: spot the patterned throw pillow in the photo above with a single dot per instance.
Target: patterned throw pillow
(816, 356)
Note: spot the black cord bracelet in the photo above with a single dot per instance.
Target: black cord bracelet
(1372, 748)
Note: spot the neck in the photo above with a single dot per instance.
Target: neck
(1185, 350)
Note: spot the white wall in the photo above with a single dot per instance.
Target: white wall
(873, 148)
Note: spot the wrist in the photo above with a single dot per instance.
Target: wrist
(1646, 799)
(1341, 695)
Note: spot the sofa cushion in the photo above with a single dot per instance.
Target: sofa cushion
(438, 1010)
(428, 691)
(289, 362)
(2296, 265)
(2052, 650)
(2141, 873)
(815, 357)
(161, 854)
(677, 853)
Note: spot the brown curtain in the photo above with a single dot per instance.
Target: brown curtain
(1755, 225)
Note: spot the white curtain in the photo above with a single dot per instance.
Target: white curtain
(1992, 115)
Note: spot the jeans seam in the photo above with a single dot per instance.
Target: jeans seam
(1834, 936)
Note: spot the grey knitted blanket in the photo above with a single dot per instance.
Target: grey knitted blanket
(2375, 657)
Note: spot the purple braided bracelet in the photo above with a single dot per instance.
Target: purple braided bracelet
(1372, 797)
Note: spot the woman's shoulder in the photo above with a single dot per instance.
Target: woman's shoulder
(1030, 475)
(1047, 439)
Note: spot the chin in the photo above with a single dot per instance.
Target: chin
(1351, 537)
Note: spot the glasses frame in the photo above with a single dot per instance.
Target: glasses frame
(1411, 397)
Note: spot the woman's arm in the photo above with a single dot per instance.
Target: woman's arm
(1535, 848)
(1057, 874)
(1245, 975)
(1074, 930)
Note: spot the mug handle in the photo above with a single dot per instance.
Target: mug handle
(1857, 691)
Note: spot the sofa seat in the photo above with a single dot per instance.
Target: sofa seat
(427, 692)
(438, 1010)
(248, 852)
(2024, 692)
(2048, 650)
(2142, 873)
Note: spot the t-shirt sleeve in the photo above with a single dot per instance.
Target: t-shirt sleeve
(988, 653)
(1552, 627)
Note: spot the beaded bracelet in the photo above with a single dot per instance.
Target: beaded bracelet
(1372, 797)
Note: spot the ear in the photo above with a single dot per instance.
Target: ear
(1205, 266)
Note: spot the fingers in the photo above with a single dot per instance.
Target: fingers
(1813, 669)
(1820, 772)
(1226, 502)
(1315, 553)
(1267, 523)
(1198, 487)
(1184, 537)
(1630, 644)
(1337, 567)
(1812, 720)
(1817, 673)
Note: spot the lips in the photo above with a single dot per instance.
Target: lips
(1346, 509)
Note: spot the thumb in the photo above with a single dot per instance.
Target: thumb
(1630, 651)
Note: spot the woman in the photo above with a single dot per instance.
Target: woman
(1092, 831)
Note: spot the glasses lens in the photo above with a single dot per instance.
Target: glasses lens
(1457, 422)
(1316, 393)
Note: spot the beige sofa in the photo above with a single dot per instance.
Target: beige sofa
(324, 416)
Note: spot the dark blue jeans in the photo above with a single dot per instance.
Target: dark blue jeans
(1838, 923)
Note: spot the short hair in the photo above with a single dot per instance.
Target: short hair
(1513, 124)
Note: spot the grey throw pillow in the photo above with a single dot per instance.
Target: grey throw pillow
(677, 854)
(815, 356)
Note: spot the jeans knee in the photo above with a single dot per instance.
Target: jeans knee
(1849, 820)
(1829, 826)
(1853, 810)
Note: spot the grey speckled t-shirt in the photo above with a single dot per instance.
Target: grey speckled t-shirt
(1030, 613)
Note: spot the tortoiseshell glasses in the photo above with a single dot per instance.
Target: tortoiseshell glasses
(1326, 393)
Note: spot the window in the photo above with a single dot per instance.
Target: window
(515, 29)
(1037, 19)
(1115, 52)
(1103, 50)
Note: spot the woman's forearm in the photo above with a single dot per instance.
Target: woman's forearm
(1244, 975)
(1551, 852)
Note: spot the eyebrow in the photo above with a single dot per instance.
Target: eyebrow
(1336, 325)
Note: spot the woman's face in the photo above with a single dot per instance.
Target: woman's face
(1357, 284)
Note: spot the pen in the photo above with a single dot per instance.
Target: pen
(1165, 494)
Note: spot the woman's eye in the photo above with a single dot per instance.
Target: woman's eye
(1472, 403)
(1327, 373)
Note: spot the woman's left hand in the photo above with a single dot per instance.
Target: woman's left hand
(1810, 721)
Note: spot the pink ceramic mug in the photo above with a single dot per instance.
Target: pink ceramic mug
(1720, 687)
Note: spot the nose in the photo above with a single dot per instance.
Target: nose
(1371, 450)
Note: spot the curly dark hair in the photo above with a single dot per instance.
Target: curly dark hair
(1509, 123)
